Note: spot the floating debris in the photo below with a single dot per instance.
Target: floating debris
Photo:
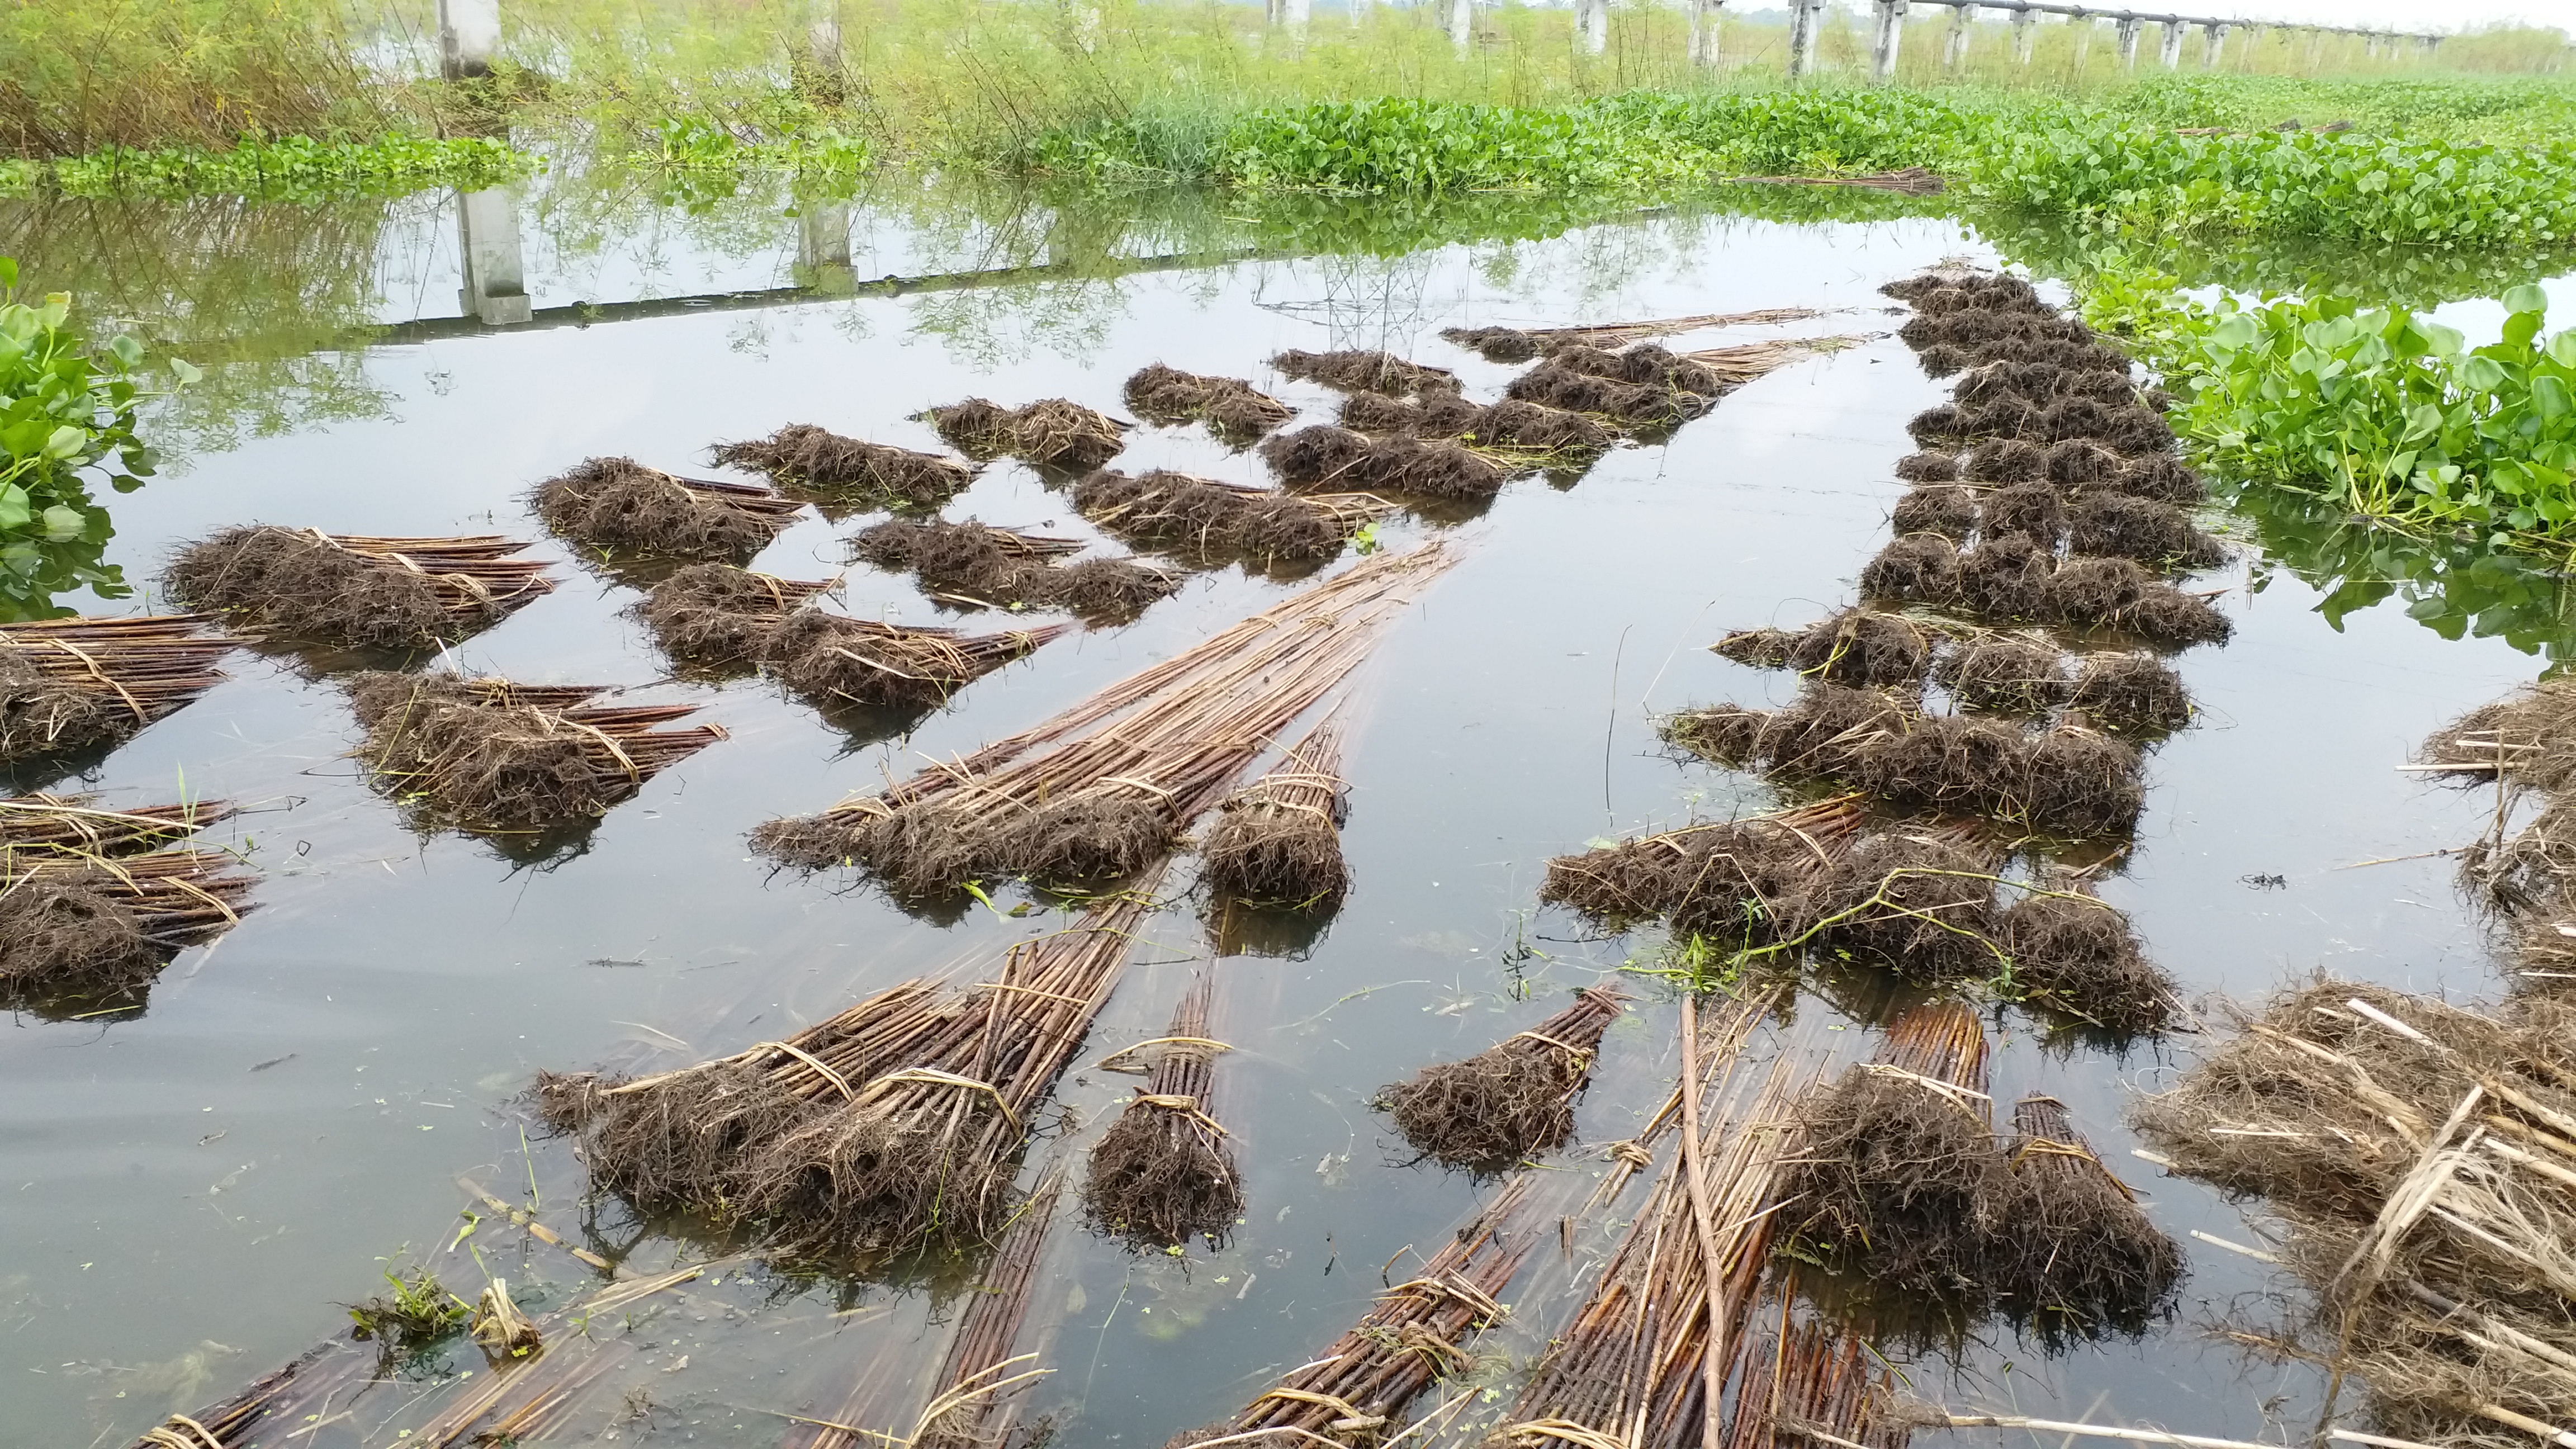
(68, 686)
(494, 756)
(971, 565)
(344, 590)
(823, 465)
(1277, 841)
(619, 506)
(1164, 1172)
(1052, 432)
(1511, 1100)
(1232, 408)
(1911, 181)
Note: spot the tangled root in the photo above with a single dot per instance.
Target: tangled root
(2004, 578)
(2077, 1257)
(1942, 359)
(1496, 344)
(2113, 525)
(1319, 456)
(2077, 955)
(485, 763)
(824, 464)
(1758, 648)
(1211, 520)
(2123, 428)
(1823, 732)
(2130, 694)
(1159, 1177)
(713, 615)
(1946, 763)
(1919, 568)
(2030, 509)
(1918, 905)
(2163, 477)
(1365, 372)
(2005, 460)
(64, 943)
(1270, 852)
(831, 659)
(1530, 427)
(2117, 594)
(2005, 676)
(2080, 784)
(1895, 1182)
(1928, 467)
(2078, 466)
(1052, 432)
(1439, 415)
(1945, 509)
(970, 564)
(1937, 423)
(1559, 386)
(1642, 364)
(1232, 408)
(1863, 647)
(41, 716)
(290, 583)
(1741, 882)
(621, 506)
(1509, 1101)
(1433, 469)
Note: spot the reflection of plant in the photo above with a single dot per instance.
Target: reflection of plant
(64, 408)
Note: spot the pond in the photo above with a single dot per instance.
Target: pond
(334, 1088)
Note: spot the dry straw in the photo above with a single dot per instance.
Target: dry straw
(71, 685)
(1164, 1172)
(822, 465)
(348, 590)
(894, 1125)
(1494, 1110)
(619, 507)
(1354, 1393)
(1524, 344)
(491, 755)
(1106, 787)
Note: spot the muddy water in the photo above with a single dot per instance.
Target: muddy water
(322, 1094)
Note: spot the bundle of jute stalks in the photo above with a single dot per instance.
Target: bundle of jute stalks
(353, 591)
(1355, 1392)
(73, 685)
(895, 1124)
(2422, 1156)
(1105, 788)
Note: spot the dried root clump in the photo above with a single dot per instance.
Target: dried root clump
(2113, 525)
(1439, 415)
(978, 567)
(823, 464)
(1945, 509)
(2076, 1257)
(1919, 904)
(2077, 466)
(2124, 428)
(63, 937)
(2529, 737)
(2077, 783)
(1497, 344)
(1431, 469)
(1824, 732)
(1758, 648)
(1625, 404)
(618, 505)
(832, 659)
(2163, 477)
(2005, 460)
(1743, 883)
(1500, 1106)
(714, 615)
(487, 755)
(1209, 520)
(1942, 360)
(1915, 569)
(1365, 372)
(1644, 364)
(1897, 1181)
(2130, 694)
(1319, 456)
(2076, 955)
(1272, 852)
(1164, 1173)
(41, 715)
(1928, 467)
(1232, 408)
(2005, 577)
(1863, 647)
(2117, 594)
(1527, 427)
(301, 586)
(2005, 675)
(1051, 432)
(2032, 510)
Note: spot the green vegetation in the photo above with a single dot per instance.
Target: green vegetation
(293, 168)
(66, 407)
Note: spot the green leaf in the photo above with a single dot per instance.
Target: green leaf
(2526, 298)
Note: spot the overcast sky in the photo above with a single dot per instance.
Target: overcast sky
(2442, 15)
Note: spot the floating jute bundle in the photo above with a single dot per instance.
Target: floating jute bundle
(1164, 1172)
(1210, 522)
(1053, 432)
(69, 686)
(823, 465)
(1353, 371)
(1512, 1099)
(970, 565)
(714, 616)
(1232, 408)
(2076, 1256)
(1277, 841)
(309, 587)
(619, 506)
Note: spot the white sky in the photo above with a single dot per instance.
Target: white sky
(2439, 15)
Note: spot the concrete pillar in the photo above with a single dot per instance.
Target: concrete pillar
(1954, 45)
(487, 244)
(1886, 35)
(1461, 19)
(1705, 17)
(1592, 26)
(1806, 17)
(823, 247)
(2127, 31)
(2025, 27)
(1358, 10)
(469, 35)
(2213, 40)
(2084, 28)
(2170, 52)
(1291, 13)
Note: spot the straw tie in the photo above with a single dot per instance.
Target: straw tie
(1353, 1416)
(938, 1078)
(1565, 1429)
